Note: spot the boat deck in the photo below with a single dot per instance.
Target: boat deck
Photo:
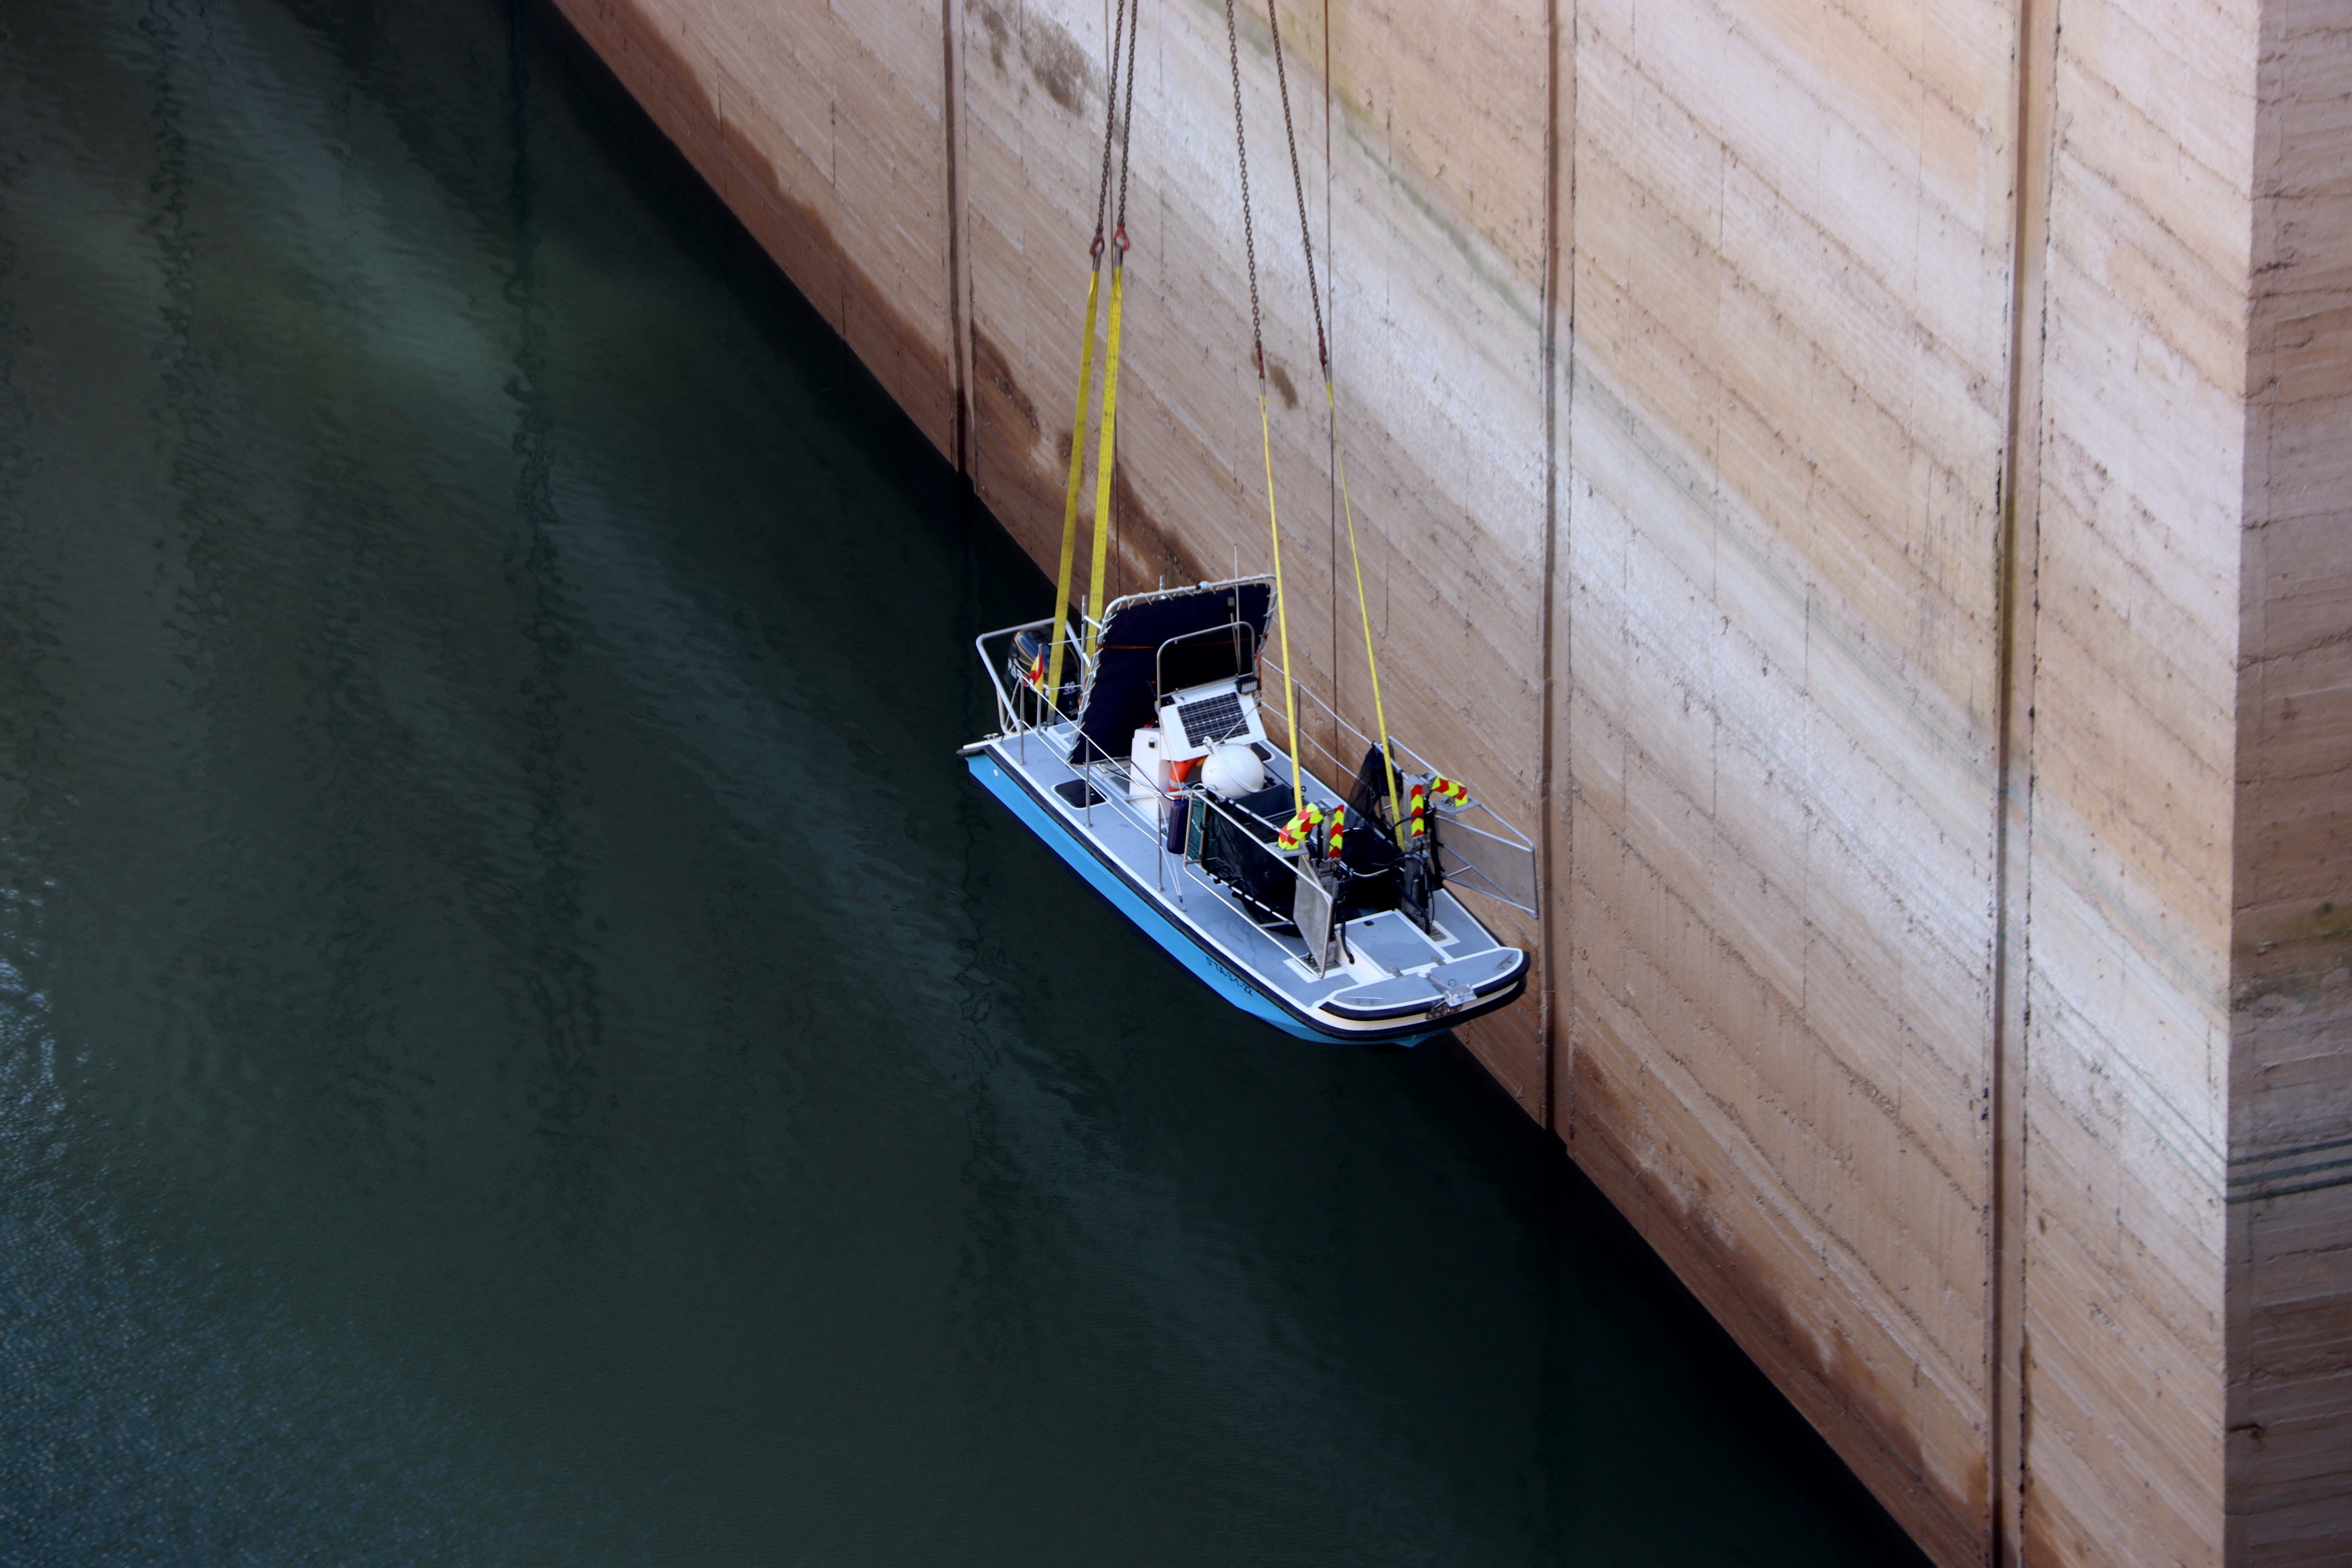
(1388, 981)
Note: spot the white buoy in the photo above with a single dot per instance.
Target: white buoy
(1232, 771)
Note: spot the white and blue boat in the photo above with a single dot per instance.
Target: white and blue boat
(1151, 774)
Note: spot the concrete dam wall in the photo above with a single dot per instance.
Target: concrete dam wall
(1871, 482)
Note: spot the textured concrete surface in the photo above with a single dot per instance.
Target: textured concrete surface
(1873, 481)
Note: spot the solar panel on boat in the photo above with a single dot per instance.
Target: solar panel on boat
(1217, 718)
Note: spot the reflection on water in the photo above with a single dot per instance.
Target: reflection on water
(519, 1043)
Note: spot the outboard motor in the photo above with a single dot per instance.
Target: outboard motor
(1024, 666)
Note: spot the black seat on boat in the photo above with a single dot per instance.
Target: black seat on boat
(1379, 875)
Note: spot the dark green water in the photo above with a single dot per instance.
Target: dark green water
(519, 1043)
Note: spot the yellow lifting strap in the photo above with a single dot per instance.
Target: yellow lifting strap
(1265, 429)
(1323, 354)
(1103, 458)
(1070, 499)
(1363, 608)
(1281, 610)
(1126, 26)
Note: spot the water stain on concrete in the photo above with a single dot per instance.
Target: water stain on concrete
(1281, 379)
(992, 371)
(1150, 555)
(1055, 60)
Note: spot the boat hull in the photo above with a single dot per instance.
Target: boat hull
(1147, 910)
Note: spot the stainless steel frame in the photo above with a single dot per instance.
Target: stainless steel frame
(1496, 861)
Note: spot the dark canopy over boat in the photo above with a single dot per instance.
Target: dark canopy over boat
(1168, 642)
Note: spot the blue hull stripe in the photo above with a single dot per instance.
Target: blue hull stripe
(1158, 927)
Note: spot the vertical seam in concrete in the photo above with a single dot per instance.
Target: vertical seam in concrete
(1546, 991)
(1548, 921)
(2270, 270)
(951, 130)
(2016, 566)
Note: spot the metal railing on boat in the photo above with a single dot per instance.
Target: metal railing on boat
(1490, 856)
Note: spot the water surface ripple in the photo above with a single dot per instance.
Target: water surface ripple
(519, 1043)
